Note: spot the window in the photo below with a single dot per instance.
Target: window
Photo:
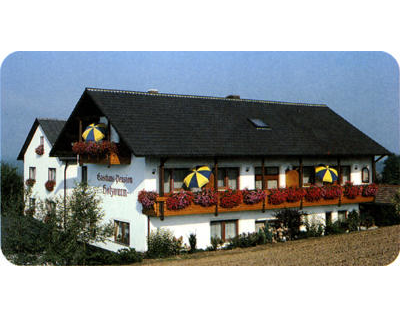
(84, 174)
(345, 173)
(258, 123)
(50, 206)
(308, 176)
(342, 215)
(32, 173)
(41, 140)
(228, 178)
(121, 232)
(328, 217)
(52, 174)
(173, 178)
(365, 175)
(224, 229)
(271, 177)
(260, 225)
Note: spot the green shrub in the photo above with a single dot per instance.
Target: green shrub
(292, 219)
(353, 221)
(192, 242)
(335, 228)
(215, 242)
(162, 243)
(313, 229)
(129, 255)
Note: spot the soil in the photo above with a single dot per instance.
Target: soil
(365, 248)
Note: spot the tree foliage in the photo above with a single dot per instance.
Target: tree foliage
(391, 170)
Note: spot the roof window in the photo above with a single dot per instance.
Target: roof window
(259, 124)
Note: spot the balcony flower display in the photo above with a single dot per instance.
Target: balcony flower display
(147, 199)
(94, 148)
(314, 193)
(277, 196)
(332, 192)
(351, 191)
(50, 185)
(253, 196)
(230, 198)
(30, 182)
(294, 194)
(369, 190)
(39, 150)
(178, 201)
(206, 197)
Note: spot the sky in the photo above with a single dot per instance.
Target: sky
(362, 87)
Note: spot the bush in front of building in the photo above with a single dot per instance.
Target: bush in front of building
(292, 219)
(162, 243)
(192, 242)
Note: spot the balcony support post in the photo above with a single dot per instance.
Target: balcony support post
(263, 180)
(339, 180)
(301, 178)
(216, 183)
(373, 169)
(161, 186)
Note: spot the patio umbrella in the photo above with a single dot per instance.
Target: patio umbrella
(94, 132)
(326, 174)
(198, 177)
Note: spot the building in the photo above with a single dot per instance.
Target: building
(247, 143)
(41, 168)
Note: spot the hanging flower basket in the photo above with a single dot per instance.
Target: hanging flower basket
(39, 150)
(30, 182)
(50, 185)
(370, 190)
(147, 199)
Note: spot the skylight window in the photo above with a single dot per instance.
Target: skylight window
(259, 124)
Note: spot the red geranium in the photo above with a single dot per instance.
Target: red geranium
(351, 191)
(181, 200)
(294, 195)
(30, 182)
(206, 197)
(277, 196)
(253, 196)
(230, 198)
(314, 193)
(332, 192)
(50, 185)
(147, 199)
(369, 190)
(39, 150)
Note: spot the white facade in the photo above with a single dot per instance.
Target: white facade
(119, 185)
(42, 163)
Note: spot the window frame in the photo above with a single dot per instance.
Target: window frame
(342, 212)
(328, 217)
(267, 176)
(34, 173)
(223, 222)
(226, 179)
(122, 241)
(363, 180)
(170, 172)
(50, 172)
(41, 140)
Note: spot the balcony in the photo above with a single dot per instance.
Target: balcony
(109, 159)
(105, 153)
(193, 209)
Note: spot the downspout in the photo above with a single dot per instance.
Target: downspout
(65, 193)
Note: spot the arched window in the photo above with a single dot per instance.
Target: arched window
(365, 175)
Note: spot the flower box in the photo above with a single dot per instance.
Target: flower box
(50, 185)
(30, 182)
(39, 150)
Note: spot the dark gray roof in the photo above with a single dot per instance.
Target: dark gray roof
(386, 193)
(51, 128)
(179, 125)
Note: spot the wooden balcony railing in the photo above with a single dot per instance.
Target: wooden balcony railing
(112, 159)
(197, 209)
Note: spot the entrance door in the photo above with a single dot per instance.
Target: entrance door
(292, 179)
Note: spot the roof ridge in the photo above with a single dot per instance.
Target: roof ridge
(203, 97)
(49, 119)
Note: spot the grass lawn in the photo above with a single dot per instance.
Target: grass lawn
(373, 247)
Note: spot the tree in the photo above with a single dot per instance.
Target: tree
(391, 170)
(73, 226)
(12, 190)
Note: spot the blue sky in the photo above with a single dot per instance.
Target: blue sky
(363, 87)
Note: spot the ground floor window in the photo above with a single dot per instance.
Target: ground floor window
(328, 217)
(84, 174)
(342, 215)
(224, 230)
(121, 232)
(52, 174)
(260, 225)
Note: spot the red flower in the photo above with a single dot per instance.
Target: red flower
(332, 192)
(314, 193)
(277, 196)
(178, 201)
(369, 190)
(50, 185)
(147, 199)
(30, 182)
(230, 198)
(39, 150)
(351, 191)
(94, 148)
(294, 195)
